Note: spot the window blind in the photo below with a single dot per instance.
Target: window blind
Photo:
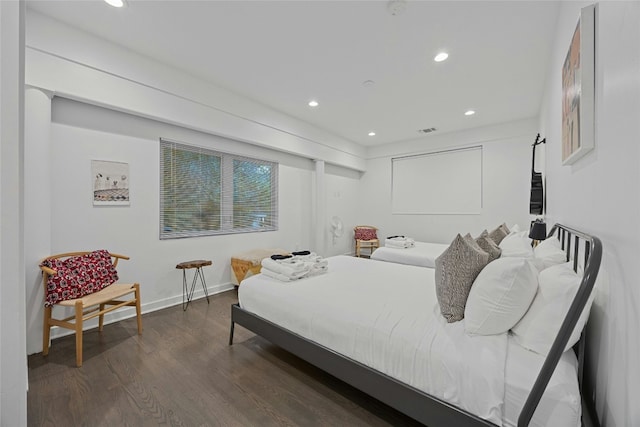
(205, 192)
(445, 182)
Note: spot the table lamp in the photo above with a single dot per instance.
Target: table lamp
(538, 231)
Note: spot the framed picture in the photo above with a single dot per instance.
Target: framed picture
(110, 183)
(578, 89)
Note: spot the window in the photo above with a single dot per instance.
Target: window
(205, 192)
(446, 182)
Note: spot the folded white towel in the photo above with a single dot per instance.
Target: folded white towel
(281, 277)
(400, 243)
(316, 264)
(400, 239)
(276, 276)
(391, 244)
(293, 270)
(286, 265)
(318, 269)
(311, 257)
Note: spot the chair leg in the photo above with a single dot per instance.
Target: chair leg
(101, 318)
(138, 310)
(46, 331)
(79, 333)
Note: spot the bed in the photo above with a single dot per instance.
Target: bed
(423, 254)
(386, 341)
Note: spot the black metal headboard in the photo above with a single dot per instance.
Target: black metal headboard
(571, 241)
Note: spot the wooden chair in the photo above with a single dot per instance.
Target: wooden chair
(89, 306)
(366, 238)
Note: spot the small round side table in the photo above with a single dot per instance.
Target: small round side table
(184, 266)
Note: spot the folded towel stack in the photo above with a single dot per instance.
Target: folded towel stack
(399, 242)
(294, 267)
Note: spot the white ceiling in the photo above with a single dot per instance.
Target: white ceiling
(284, 53)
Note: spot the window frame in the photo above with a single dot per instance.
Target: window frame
(226, 192)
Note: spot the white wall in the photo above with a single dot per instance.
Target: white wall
(146, 100)
(342, 195)
(600, 194)
(80, 133)
(37, 204)
(13, 361)
(593, 194)
(506, 183)
(108, 75)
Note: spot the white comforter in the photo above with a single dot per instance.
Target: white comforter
(385, 315)
(422, 254)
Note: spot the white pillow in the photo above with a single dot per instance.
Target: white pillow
(550, 252)
(500, 296)
(516, 244)
(538, 328)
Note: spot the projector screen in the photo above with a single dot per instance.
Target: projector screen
(443, 182)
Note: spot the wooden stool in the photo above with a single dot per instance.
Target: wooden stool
(184, 266)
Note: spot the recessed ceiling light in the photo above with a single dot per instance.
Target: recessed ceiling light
(372, 134)
(441, 56)
(115, 3)
(469, 113)
(427, 130)
(313, 103)
(397, 7)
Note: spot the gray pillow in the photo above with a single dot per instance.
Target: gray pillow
(472, 242)
(499, 233)
(489, 246)
(456, 269)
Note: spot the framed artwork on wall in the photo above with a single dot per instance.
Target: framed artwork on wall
(110, 183)
(578, 89)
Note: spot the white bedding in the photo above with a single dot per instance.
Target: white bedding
(422, 254)
(560, 405)
(386, 316)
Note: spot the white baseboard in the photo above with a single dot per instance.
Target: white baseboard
(125, 313)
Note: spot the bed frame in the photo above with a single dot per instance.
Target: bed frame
(430, 410)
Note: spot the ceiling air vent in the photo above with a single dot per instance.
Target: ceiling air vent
(427, 130)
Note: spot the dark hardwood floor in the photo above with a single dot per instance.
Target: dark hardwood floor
(181, 371)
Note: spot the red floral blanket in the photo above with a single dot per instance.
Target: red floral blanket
(79, 276)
